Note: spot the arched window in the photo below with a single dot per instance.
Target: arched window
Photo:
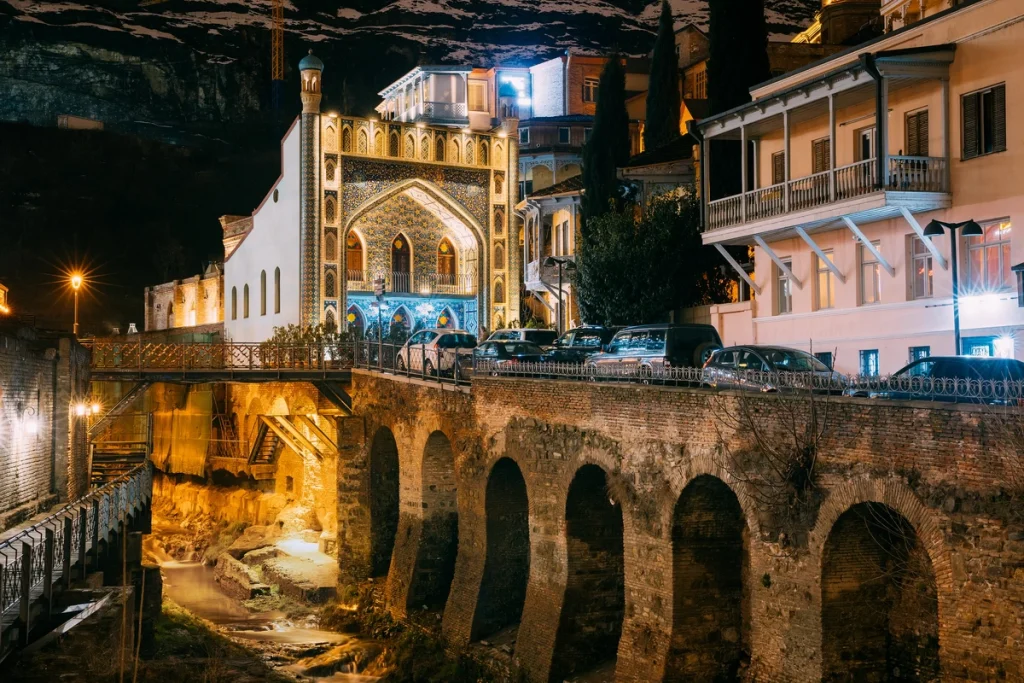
(401, 324)
(499, 183)
(331, 247)
(499, 222)
(499, 292)
(378, 144)
(439, 149)
(234, 303)
(329, 321)
(453, 155)
(446, 320)
(330, 209)
(499, 155)
(263, 292)
(330, 288)
(277, 290)
(354, 257)
(330, 139)
(393, 146)
(446, 262)
(346, 140)
(356, 323)
(483, 153)
(410, 146)
(499, 257)
(329, 170)
(245, 301)
(469, 151)
(425, 147)
(363, 142)
(401, 264)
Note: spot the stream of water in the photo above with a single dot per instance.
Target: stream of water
(281, 639)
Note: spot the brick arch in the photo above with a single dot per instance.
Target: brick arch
(896, 495)
(706, 463)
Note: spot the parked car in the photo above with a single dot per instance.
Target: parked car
(575, 346)
(651, 349)
(953, 379)
(537, 336)
(496, 354)
(436, 350)
(751, 368)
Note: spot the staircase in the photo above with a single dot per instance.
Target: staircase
(110, 464)
(340, 403)
(97, 427)
(265, 446)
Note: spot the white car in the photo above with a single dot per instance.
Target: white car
(436, 350)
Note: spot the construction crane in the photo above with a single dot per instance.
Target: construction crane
(277, 53)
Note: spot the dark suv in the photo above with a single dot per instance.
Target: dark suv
(651, 349)
(955, 379)
(575, 346)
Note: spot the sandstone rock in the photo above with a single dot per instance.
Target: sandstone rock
(253, 538)
(238, 580)
(294, 519)
(258, 557)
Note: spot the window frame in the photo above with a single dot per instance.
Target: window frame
(914, 353)
(866, 259)
(476, 84)
(998, 91)
(925, 256)
(916, 117)
(1005, 257)
(782, 278)
(830, 278)
(867, 355)
(825, 143)
(524, 136)
(781, 155)
(568, 135)
(591, 89)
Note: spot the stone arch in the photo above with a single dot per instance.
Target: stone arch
(439, 148)
(880, 598)
(410, 146)
(378, 143)
(383, 500)
(594, 604)
(356, 320)
(393, 144)
(330, 170)
(363, 142)
(346, 139)
(499, 256)
(453, 153)
(439, 539)
(502, 593)
(329, 322)
(330, 138)
(710, 567)
(499, 154)
(484, 153)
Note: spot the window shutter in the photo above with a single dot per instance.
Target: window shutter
(999, 119)
(821, 155)
(912, 137)
(778, 168)
(922, 134)
(970, 126)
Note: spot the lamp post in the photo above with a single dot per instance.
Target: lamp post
(968, 229)
(76, 284)
(569, 265)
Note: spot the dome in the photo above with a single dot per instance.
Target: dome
(311, 61)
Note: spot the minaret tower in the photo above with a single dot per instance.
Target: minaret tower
(311, 69)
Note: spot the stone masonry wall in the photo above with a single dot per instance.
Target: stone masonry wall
(945, 471)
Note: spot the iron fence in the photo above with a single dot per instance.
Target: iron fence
(32, 560)
(449, 366)
(220, 356)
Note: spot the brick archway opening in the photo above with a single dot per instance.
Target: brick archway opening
(594, 604)
(383, 495)
(710, 614)
(439, 541)
(879, 608)
(499, 606)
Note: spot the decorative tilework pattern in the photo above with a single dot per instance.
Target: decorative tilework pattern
(309, 220)
(421, 313)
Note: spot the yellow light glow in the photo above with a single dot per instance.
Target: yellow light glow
(81, 409)
(4, 309)
(466, 131)
(502, 134)
(76, 281)
(333, 114)
(31, 426)
(96, 407)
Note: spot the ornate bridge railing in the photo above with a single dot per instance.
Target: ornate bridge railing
(142, 356)
(36, 558)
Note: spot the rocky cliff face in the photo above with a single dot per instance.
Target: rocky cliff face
(189, 63)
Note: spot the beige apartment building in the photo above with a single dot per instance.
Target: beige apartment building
(849, 159)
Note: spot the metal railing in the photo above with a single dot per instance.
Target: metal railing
(359, 281)
(905, 173)
(445, 110)
(446, 366)
(35, 558)
(400, 282)
(992, 391)
(219, 356)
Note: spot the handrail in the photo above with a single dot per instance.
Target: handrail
(140, 356)
(45, 551)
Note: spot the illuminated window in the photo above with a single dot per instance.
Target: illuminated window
(478, 95)
(826, 282)
(988, 259)
(590, 88)
(921, 269)
(245, 302)
(234, 303)
(870, 275)
(277, 290)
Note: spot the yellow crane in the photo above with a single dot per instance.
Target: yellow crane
(277, 53)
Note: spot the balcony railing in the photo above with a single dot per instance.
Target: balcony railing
(397, 282)
(445, 110)
(905, 174)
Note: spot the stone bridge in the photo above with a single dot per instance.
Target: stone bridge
(691, 536)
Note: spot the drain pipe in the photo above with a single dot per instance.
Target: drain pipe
(694, 132)
(881, 118)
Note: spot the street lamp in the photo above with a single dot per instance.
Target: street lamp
(76, 284)
(570, 266)
(967, 229)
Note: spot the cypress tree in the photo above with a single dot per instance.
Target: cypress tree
(662, 124)
(738, 51)
(608, 147)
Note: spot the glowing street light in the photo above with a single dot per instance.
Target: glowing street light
(77, 280)
(967, 229)
(81, 409)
